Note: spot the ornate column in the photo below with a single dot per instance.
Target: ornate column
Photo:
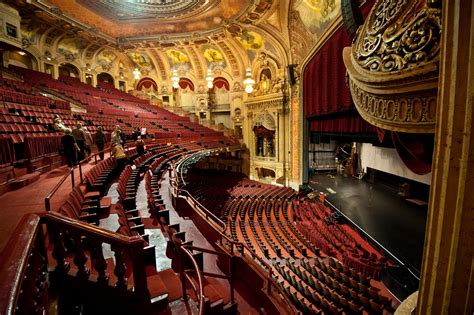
(447, 270)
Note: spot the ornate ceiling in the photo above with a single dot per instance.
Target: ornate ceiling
(118, 35)
(131, 20)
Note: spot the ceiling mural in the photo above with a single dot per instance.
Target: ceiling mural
(214, 58)
(70, 47)
(251, 40)
(316, 15)
(185, 35)
(308, 21)
(177, 57)
(140, 60)
(136, 9)
(105, 58)
(152, 18)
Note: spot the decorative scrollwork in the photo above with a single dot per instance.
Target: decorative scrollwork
(395, 39)
(384, 13)
(393, 66)
(401, 112)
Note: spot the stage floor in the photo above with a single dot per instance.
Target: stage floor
(396, 224)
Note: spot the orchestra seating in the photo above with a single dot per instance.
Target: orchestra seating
(268, 220)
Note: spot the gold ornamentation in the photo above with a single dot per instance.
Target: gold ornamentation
(401, 113)
(393, 66)
(394, 39)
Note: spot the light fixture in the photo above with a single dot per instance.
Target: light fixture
(175, 79)
(136, 74)
(209, 78)
(22, 53)
(248, 81)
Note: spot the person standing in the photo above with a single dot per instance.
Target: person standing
(88, 142)
(116, 136)
(119, 155)
(80, 137)
(100, 141)
(70, 147)
(140, 145)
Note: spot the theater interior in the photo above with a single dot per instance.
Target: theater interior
(301, 157)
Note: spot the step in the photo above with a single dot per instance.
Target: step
(24, 180)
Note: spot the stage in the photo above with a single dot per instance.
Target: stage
(396, 224)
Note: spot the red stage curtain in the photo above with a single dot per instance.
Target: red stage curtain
(415, 150)
(325, 91)
(352, 123)
(324, 80)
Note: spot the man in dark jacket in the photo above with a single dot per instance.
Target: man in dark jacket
(69, 147)
(100, 141)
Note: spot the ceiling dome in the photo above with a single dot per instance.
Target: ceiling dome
(147, 9)
(132, 19)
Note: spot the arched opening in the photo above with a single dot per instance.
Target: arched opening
(106, 78)
(147, 85)
(184, 94)
(68, 70)
(219, 97)
(22, 59)
(264, 130)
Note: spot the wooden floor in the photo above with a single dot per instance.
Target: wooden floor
(397, 224)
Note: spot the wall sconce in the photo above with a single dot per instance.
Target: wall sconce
(136, 74)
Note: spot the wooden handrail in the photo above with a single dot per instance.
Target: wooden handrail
(208, 213)
(89, 229)
(47, 199)
(27, 242)
(200, 290)
(15, 261)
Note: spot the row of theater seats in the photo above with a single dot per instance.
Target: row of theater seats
(316, 223)
(84, 207)
(334, 291)
(127, 187)
(130, 224)
(254, 213)
(261, 216)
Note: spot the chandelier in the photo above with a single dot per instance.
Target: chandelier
(248, 81)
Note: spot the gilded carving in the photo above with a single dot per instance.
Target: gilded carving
(410, 111)
(393, 66)
(394, 40)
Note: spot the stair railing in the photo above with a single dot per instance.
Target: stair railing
(72, 244)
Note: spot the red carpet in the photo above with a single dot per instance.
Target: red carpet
(30, 199)
(151, 223)
(165, 282)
